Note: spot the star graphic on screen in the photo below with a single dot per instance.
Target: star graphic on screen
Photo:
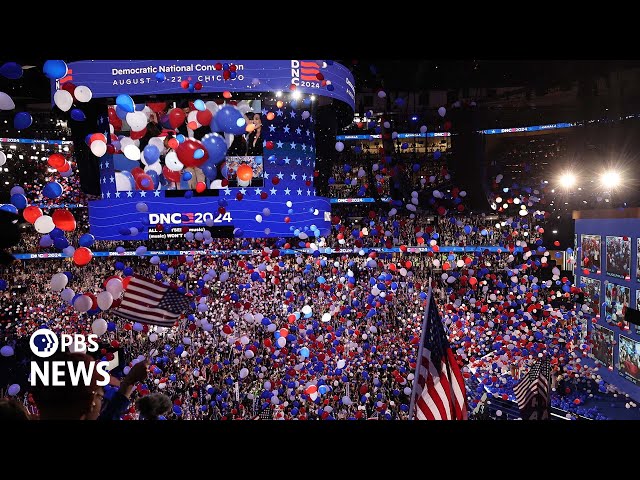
(266, 175)
(293, 145)
(298, 130)
(258, 191)
(293, 114)
(273, 191)
(106, 164)
(102, 195)
(143, 193)
(299, 192)
(112, 179)
(243, 191)
(304, 177)
(280, 175)
(227, 191)
(117, 194)
(129, 194)
(279, 144)
(287, 191)
(279, 113)
(293, 176)
(310, 148)
(264, 112)
(104, 179)
(308, 132)
(156, 193)
(286, 128)
(272, 128)
(287, 160)
(304, 147)
(308, 193)
(108, 194)
(101, 167)
(299, 161)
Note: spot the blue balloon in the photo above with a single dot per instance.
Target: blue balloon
(231, 120)
(52, 190)
(19, 200)
(121, 113)
(46, 241)
(126, 103)
(216, 147)
(199, 105)
(151, 154)
(86, 240)
(56, 233)
(160, 77)
(78, 115)
(210, 171)
(22, 120)
(61, 243)
(55, 69)
(11, 70)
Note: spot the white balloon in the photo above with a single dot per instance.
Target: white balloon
(83, 303)
(212, 106)
(244, 372)
(3, 159)
(326, 317)
(58, 282)
(67, 294)
(6, 102)
(153, 337)
(99, 325)
(172, 162)
(44, 224)
(281, 342)
(132, 152)
(123, 183)
(158, 142)
(339, 146)
(83, 94)
(115, 287)
(228, 138)
(63, 100)
(306, 309)
(105, 299)
(98, 148)
(136, 120)
(154, 167)
(192, 117)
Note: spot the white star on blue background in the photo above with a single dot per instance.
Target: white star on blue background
(298, 130)
(293, 145)
(156, 193)
(258, 191)
(129, 194)
(227, 191)
(287, 191)
(117, 194)
(279, 112)
(299, 161)
(273, 191)
(243, 191)
(272, 128)
(293, 176)
(280, 175)
(279, 144)
(299, 192)
(143, 193)
(286, 128)
(293, 114)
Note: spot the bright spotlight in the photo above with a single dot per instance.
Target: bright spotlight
(296, 95)
(567, 180)
(313, 98)
(610, 179)
(278, 94)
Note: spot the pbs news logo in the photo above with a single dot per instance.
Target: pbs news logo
(44, 343)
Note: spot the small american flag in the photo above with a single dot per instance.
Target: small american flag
(532, 393)
(148, 301)
(439, 390)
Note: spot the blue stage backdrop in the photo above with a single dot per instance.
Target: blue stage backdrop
(109, 78)
(288, 186)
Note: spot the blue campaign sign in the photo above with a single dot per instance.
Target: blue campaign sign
(109, 78)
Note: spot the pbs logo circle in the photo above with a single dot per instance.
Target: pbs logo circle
(43, 343)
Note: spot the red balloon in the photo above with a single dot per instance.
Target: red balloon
(176, 117)
(56, 160)
(201, 187)
(144, 182)
(31, 214)
(186, 151)
(64, 220)
(82, 256)
(139, 134)
(136, 171)
(157, 107)
(97, 136)
(125, 281)
(204, 117)
(65, 167)
(69, 87)
(94, 300)
(170, 175)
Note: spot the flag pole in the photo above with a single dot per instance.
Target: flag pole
(412, 404)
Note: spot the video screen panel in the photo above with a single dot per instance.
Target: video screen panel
(638, 259)
(616, 298)
(602, 345)
(592, 293)
(629, 358)
(590, 253)
(175, 141)
(618, 255)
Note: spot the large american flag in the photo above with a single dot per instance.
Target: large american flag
(439, 392)
(148, 301)
(532, 393)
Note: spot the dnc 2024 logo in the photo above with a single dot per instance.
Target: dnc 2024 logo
(44, 343)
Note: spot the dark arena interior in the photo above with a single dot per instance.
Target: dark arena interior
(229, 239)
